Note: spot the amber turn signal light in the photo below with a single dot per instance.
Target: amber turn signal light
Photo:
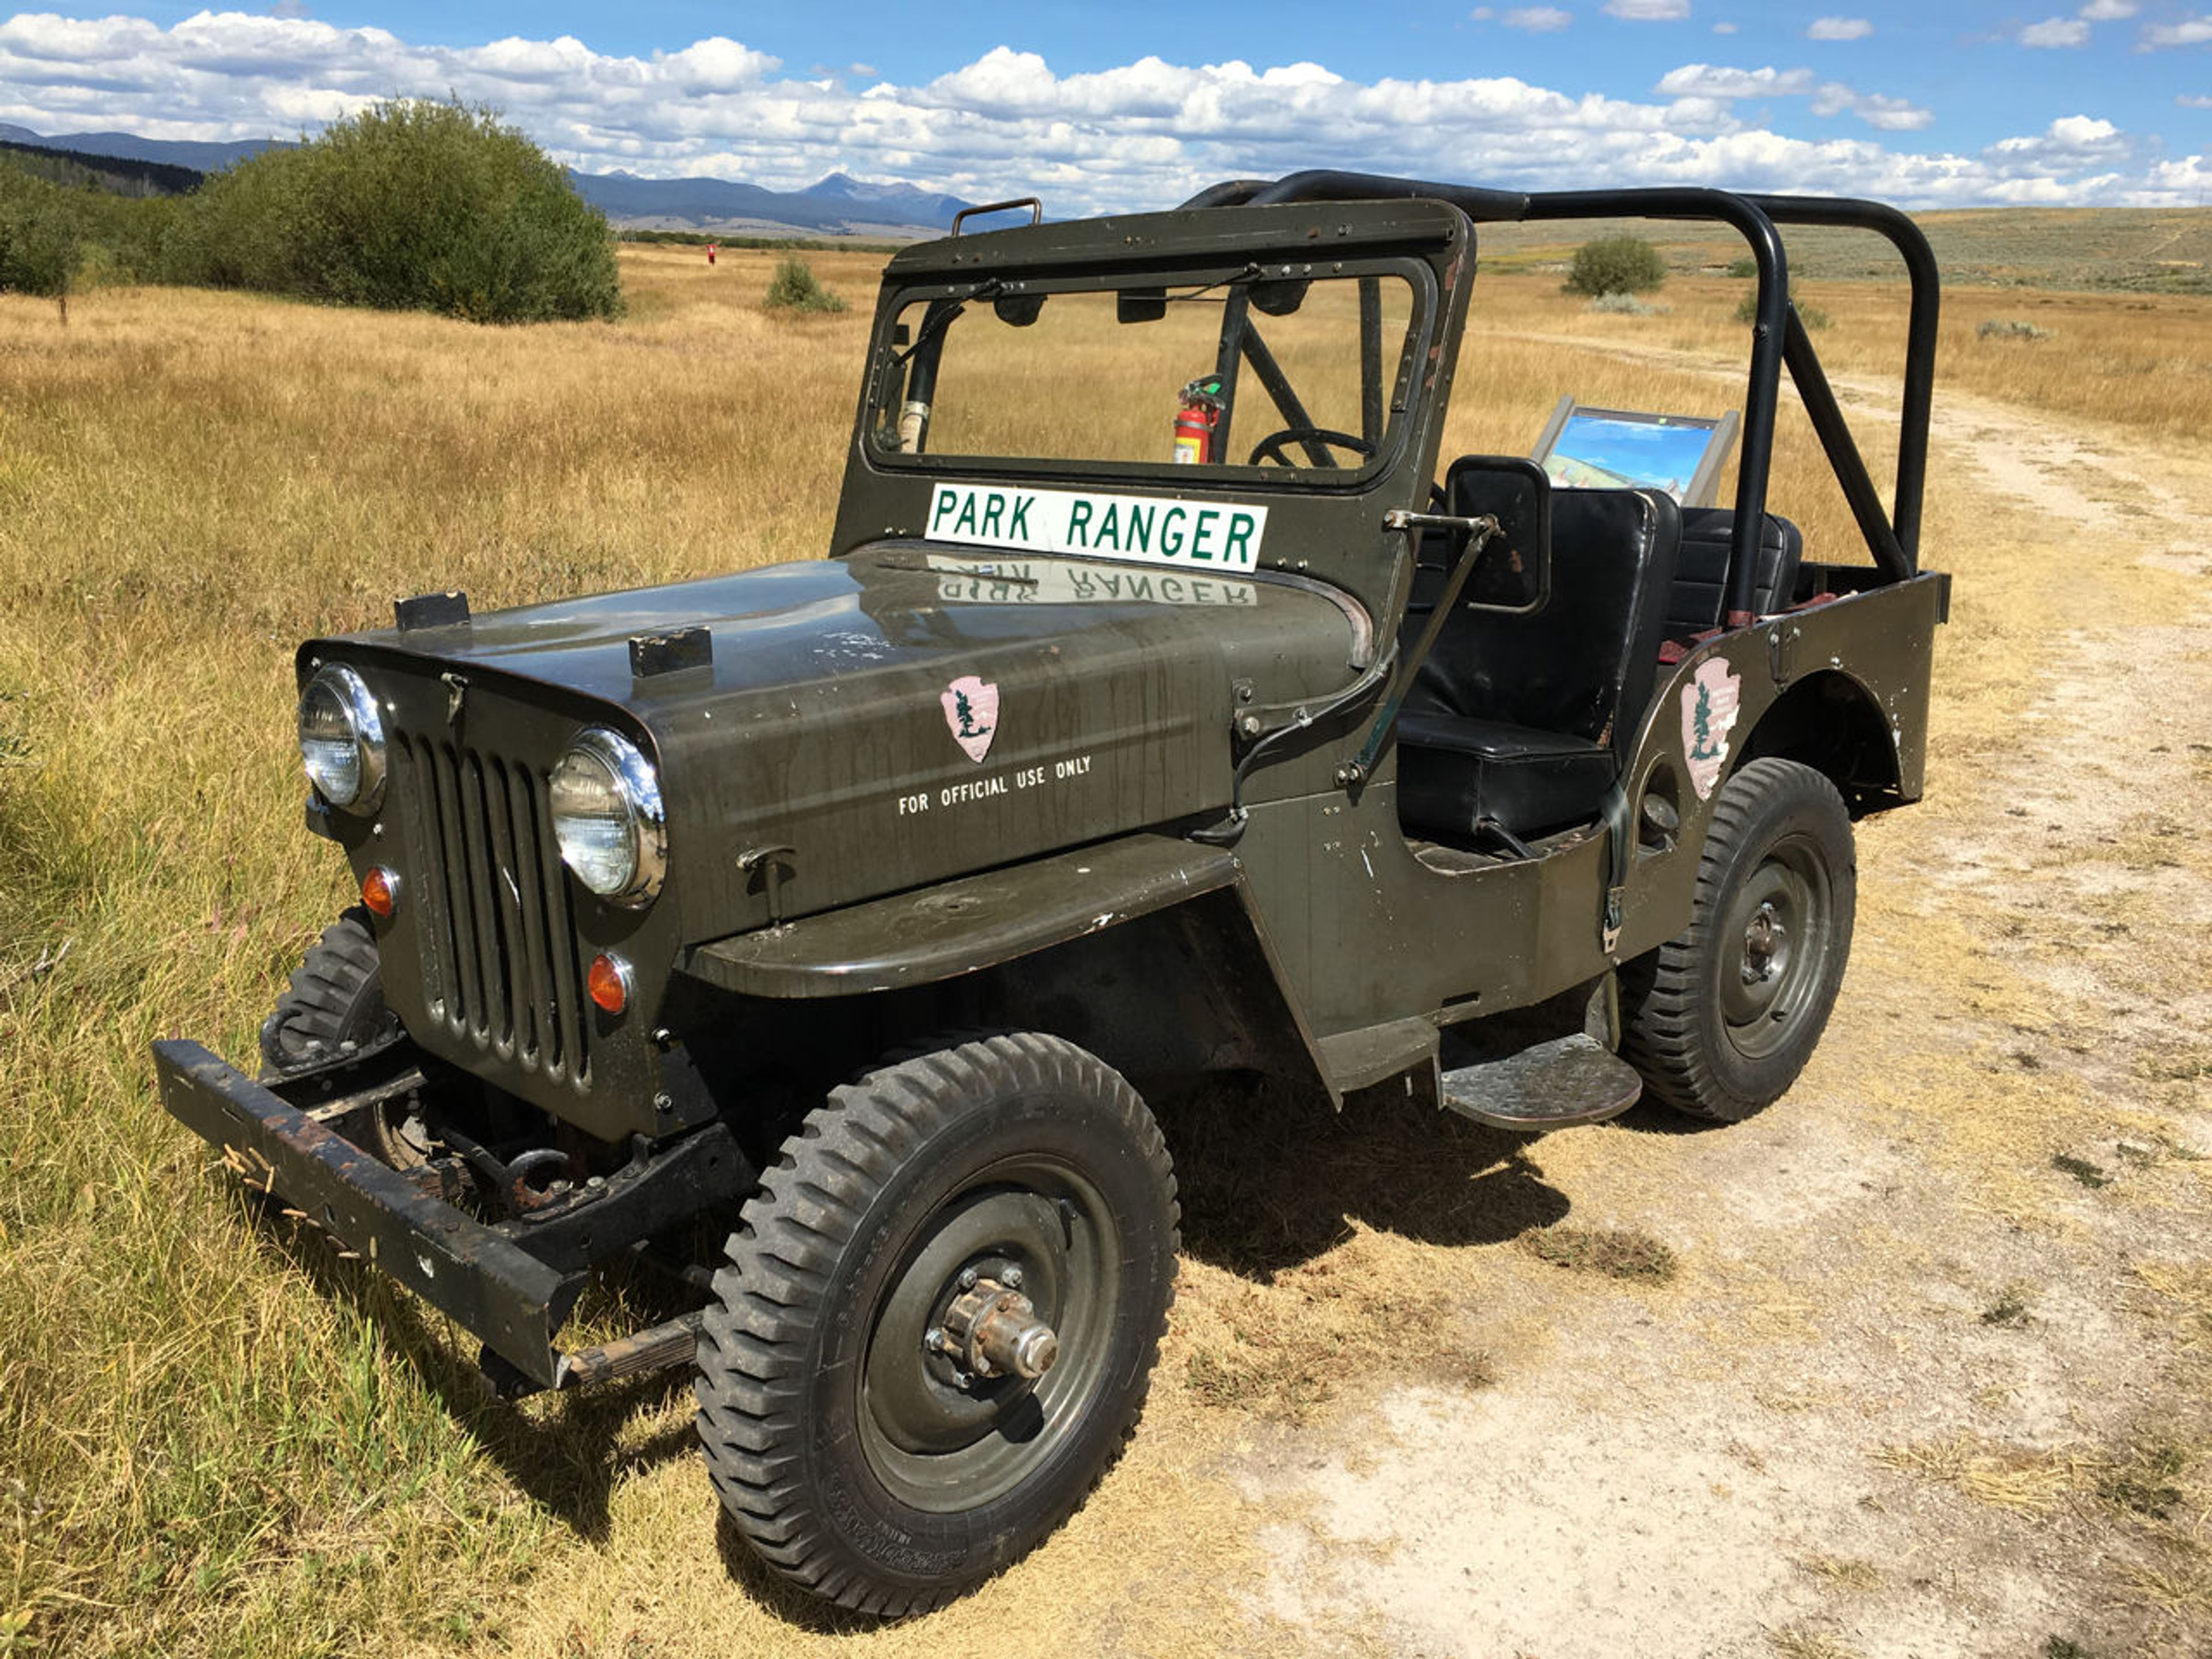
(379, 891)
(609, 982)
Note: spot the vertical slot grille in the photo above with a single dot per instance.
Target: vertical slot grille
(499, 966)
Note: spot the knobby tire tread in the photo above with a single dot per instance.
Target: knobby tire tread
(334, 994)
(1661, 1038)
(752, 1378)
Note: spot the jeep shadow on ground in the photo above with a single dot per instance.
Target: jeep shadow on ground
(799, 1609)
(566, 1453)
(1271, 1179)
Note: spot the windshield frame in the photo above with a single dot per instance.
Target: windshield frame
(1400, 381)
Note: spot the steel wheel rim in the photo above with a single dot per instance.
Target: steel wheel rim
(1774, 940)
(937, 1445)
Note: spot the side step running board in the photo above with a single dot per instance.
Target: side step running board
(1572, 1080)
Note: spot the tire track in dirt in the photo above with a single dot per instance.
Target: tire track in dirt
(1909, 1359)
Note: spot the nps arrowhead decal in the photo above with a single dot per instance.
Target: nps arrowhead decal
(972, 710)
(1711, 702)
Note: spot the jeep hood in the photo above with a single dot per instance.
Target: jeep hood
(907, 713)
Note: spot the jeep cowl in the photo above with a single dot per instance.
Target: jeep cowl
(1168, 707)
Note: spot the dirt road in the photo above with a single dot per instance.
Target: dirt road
(1931, 1376)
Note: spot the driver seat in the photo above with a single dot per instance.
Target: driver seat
(1521, 724)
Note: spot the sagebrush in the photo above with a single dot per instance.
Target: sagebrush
(796, 287)
(1616, 265)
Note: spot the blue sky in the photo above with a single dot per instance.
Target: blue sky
(1105, 107)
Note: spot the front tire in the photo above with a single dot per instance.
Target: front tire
(1720, 1020)
(336, 997)
(866, 1440)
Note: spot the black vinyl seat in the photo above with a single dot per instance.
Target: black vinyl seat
(1699, 590)
(1523, 722)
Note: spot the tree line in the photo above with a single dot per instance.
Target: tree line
(410, 204)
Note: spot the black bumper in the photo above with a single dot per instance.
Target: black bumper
(508, 1299)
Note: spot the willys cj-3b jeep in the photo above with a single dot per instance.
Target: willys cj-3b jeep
(817, 932)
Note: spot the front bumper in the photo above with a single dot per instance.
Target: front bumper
(507, 1298)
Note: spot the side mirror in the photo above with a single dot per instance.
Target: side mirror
(1281, 296)
(1140, 305)
(1017, 310)
(1513, 571)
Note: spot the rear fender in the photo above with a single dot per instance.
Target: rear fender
(1832, 723)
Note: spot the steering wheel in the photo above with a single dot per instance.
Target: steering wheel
(1271, 446)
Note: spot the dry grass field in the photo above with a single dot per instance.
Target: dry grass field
(1919, 1362)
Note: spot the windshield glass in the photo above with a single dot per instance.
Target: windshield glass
(1254, 371)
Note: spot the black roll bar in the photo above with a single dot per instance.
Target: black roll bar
(1777, 335)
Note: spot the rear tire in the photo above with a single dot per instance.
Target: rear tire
(336, 997)
(858, 1452)
(1720, 1020)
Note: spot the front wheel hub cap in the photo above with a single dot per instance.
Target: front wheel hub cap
(991, 1330)
(1763, 940)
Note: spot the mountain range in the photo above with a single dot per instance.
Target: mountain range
(839, 205)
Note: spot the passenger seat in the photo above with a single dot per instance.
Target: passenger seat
(1700, 585)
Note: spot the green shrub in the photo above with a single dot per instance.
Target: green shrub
(408, 205)
(1615, 264)
(41, 239)
(1627, 305)
(1812, 316)
(1746, 266)
(795, 287)
(56, 241)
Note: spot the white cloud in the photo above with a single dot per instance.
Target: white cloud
(2107, 11)
(1892, 114)
(2190, 32)
(1884, 113)
(2197, 103)
(1838, 29)
(2072, 143)
(1710, 81)
(2056, 32)
(1537, 20)
(2185, 181)
(1143, 134)
(1723, 28)
(1649, 11)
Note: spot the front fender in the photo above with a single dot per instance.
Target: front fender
(958, 928)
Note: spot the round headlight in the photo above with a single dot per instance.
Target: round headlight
(342, 739)
(607, 816)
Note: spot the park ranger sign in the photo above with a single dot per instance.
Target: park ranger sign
(1154, 528)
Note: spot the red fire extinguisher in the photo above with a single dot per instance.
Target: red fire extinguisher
(1195, 422)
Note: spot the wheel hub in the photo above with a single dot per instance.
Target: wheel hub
(1765, 938)
(991, 1330)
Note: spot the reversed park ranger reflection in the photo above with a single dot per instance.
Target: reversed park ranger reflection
(1052, 582)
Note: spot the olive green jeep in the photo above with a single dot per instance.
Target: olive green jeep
(1166, 706)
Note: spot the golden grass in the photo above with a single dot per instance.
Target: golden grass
(1845, 1571)
(2006, 1477)
(216, 1439)
(1805, 1642)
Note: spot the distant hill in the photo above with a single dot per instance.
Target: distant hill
(840, 205)
(2139, 249)
(75, 168)
(170, 152)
